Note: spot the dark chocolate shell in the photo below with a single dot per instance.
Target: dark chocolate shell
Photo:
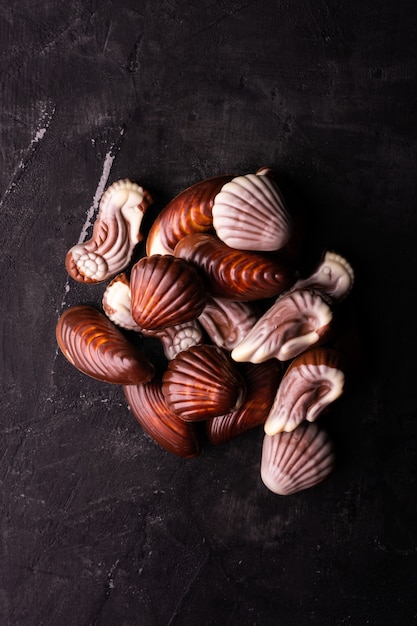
(189, 212)
(262, 381)
(148, 405)
(235, 274)
(165, 291)
(202, 382)
(97, 348)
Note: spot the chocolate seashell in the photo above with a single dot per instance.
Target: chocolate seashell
(116, 232)
(227, 322)
(97, 348)
(314, 380)
(262, 381)
(297, 460)
(235, 274)
(202, 382)
(116, 303)
(297, 321)
(249, 213)
(333, 277)
(177, 338)
(165, 291)
(148, 405)
(189, 212)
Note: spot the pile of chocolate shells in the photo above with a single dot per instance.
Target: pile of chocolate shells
(248, 341)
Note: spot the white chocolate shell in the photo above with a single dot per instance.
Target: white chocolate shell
(314, 380)
(116, 232)
(227, 322)
(334, 277)
(295, 461)
(249, 213)
(297, 321)
(116, 303)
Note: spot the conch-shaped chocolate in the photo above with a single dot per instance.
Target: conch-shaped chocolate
(97, 348)
(165, 291)
(297, 321)
(189, 212)
(235, 274)
(333, 277)
(261, 381)
(297, 460)
(148, 405)
(249, 213)
(116, 232)
(202, 382)
(314, 380)
(227, 322)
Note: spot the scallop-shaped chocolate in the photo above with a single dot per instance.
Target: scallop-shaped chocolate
(97, 348)
(262, 381)
(297, 460)
(249, 213)
(202, 382)
(115, 234)
(235, 274)
(314, 380)
(189, 212)
(165, 291)
(227, 322)
(296, 322)
(148, 405)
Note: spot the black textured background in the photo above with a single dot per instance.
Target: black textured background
(99, 526)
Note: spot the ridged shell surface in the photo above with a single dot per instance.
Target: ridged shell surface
(165, 291)
(334, 277)
(262, 381)
(97, 348)
(148, 405)
(235, 274)
(314, 380)
(115, 234)
(189, 212)
(177, 338)
(227, 322)
(249, 213)
(295, 461)
(296, 322)
(117, 303)
(202, 382)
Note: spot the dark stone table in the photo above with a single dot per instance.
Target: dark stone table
(99, 525)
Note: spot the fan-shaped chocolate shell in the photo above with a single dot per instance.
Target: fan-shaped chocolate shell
(235, 274)
(249, 213)
(116, 232)
(97, 348)
(165, 291)
(297, 321)
(148, 405)
(189, 212)
(227, 322)
(262, 381)
(202, 382)
(297, 460)
(314, 380)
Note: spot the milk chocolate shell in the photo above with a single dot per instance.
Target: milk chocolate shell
(235, 274)
(202, 382)
(148, 405)
(190, 212)
(227, 322)
(116, 232)
(97, 348)
(295, 461)
(165, 291)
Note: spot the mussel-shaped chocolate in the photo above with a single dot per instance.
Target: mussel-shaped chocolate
(262, 381)
(227, 322)
(334, 277)
(165, 291)
(297, 321)
(314, 380)
(148, 405)
(116, 303)
(97, 348)
(249, 213)
(235, 274)
(116, 232)
(297, 460)
(189, 212)
(202, 382)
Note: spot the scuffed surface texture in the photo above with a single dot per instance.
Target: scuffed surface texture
(98, 525)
